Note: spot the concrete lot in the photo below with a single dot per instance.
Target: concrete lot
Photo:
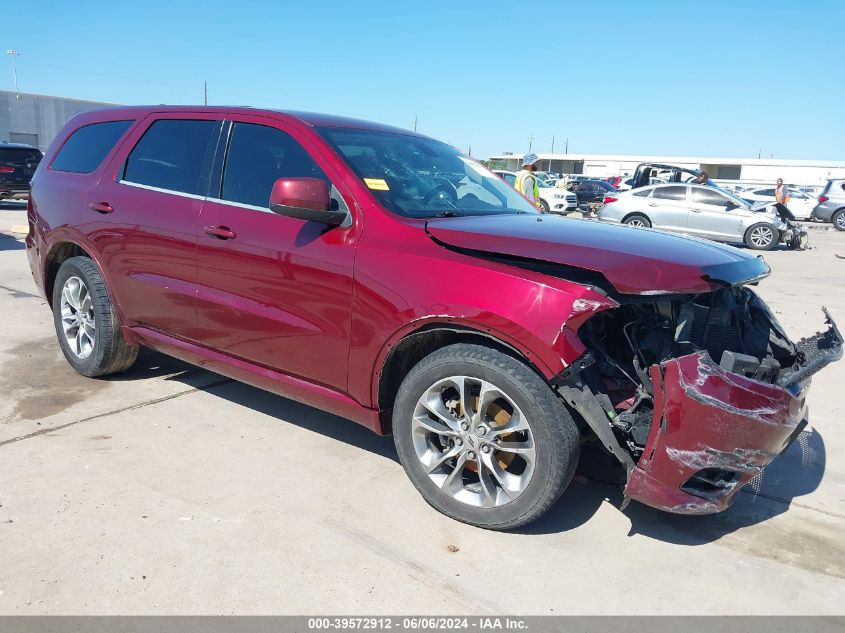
(173, 490)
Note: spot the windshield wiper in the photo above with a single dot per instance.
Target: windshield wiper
(448, 214)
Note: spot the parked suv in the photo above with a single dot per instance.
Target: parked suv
(553, 199)
(831, 206)
(17, 164)
(384, 277)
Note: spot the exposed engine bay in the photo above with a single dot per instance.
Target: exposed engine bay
(700, 377)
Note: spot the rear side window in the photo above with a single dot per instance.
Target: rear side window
(171, 155)
(86, 148)
(670, 193)
(642, 193)
(258, 156)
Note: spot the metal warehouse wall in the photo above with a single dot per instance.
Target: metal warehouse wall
(36, 119)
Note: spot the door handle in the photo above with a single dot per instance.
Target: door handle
(652, 204)
(101, 207)
(696, 210)
(221, 232)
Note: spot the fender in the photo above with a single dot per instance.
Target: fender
(66, 235)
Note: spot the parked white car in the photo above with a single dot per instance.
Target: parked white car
(801, 204)
(552, 198)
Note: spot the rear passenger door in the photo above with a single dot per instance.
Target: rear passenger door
(668, 208)
(149, 216)
(274, 290)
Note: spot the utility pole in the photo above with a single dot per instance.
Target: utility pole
(530, 142)
(415, 123)
(205, 93)
(14, 55)
(759, 151)
(553, 151)
(566, 147)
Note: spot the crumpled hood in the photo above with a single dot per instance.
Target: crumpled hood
(633, 260)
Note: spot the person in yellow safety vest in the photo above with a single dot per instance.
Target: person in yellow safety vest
(526, 181)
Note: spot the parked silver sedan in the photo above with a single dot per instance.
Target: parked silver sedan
(698, 210)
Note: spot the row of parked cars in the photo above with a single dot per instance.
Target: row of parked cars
(670, 198)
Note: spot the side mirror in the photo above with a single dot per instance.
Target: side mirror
(305, 199)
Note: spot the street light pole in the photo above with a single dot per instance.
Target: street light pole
(14, 54)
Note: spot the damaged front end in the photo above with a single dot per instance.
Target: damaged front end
(694, 395)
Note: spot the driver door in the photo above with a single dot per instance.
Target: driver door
(711, 217)
(275, 291)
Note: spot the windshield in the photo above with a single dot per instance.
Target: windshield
(422, 178)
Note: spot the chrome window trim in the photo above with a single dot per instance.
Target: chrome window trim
(242, 205)
(193, 196)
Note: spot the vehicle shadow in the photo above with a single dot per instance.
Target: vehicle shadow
(10, 243)
(795, 473)
(151, 364)
(12, 205)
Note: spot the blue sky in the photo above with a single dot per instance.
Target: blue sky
(707, 78)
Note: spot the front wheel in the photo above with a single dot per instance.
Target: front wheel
(483, 438)
(86, 323)
(838, 220)
(761, 236)
(544, 206)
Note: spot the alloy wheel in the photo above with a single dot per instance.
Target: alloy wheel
(78, 317)
(473, 441)
(761, 236)
(840, 221)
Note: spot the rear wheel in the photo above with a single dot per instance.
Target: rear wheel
(838, 220)
(761, 236)
(483, 438)
(86, 324)
(637, 219)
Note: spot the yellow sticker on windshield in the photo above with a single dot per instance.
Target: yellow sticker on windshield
(378, 184)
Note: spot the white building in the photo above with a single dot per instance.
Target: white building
(748, 170)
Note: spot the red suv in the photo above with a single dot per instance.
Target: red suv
(384, 277)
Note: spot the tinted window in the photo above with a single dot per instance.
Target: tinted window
(643, 193)
(765, 192)
(86, 148)
(170, 155)
(670, 193)
(19, 157)
(708, 196)
(258, 156)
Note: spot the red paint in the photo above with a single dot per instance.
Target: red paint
(706, 417)
(312, 312)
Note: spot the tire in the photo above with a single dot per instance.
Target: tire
(545, 206)
(637, 219)
(761, 237)
(515, 398)
(838, 220)
(91, 342)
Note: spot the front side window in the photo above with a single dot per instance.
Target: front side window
(86, 148)
(670, 193)
(259, 155)
(417, 177)
(171, 154)
(708, 196)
